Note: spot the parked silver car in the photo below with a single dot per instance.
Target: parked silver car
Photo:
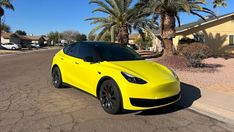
(11, 46)
(35, 45)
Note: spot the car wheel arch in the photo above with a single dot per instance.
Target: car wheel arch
(54, 66)
(100, 83)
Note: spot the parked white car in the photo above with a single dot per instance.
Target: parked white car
(35, 45)
(59, 44)
(11, 46)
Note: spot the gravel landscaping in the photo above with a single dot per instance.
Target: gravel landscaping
(218, 75)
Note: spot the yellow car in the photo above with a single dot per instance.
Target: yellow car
(116, 75)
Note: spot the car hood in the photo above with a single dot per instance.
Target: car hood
(147, 70)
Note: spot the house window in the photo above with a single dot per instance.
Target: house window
(231, 40)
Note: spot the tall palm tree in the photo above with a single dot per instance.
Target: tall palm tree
(4, 4)
(168, 11)
(5, 28)
(219, 3)
(121, 19)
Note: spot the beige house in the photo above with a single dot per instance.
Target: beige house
(216, 32)
(10, 37)
(19, 39)
(133, 38)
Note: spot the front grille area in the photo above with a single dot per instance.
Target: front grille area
(153, 102)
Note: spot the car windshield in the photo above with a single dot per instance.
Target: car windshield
(116, 52)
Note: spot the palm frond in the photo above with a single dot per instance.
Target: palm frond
(103, 7)
(7, 4)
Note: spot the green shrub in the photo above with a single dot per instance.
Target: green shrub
(195, 53)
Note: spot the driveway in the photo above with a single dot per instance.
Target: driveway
(29, 103)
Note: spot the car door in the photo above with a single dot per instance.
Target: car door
(69, 65)
(87, 72)
(8, 46)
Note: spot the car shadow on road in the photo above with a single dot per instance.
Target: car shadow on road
(189, 94)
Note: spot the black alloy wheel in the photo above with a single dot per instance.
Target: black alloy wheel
(57, 78)
(110, 97)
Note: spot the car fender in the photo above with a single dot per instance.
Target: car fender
(115, 74)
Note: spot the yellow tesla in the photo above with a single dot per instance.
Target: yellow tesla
(116, 75)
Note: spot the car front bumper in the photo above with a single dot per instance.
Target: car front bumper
(142, 97)
(154, 102)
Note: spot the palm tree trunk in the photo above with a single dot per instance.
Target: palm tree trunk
(123, 35)
(1, 14)
(113, 34)
(168, 47)
(168, 32)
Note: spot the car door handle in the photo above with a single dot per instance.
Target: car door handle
(61, 58)
(76, 63)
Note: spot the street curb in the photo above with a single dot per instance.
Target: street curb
(213, 112)
(27, 52)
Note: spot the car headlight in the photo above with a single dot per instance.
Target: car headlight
(133, 79)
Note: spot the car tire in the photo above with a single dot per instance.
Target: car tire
(110, 97)
(57, 78)
(13, 48)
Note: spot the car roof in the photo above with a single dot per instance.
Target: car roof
(99, 43)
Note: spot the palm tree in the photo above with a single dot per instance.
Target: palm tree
(121, 19)
(219, 3)
(5, 28)
(168, 11)
(4, 4)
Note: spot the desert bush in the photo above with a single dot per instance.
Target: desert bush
(195, 53)
(174, 62)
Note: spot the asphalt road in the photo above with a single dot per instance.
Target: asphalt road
(29, 103)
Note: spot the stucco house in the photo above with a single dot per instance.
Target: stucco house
(10, 37)
(133, 37)
(19, 39)
(216, 32)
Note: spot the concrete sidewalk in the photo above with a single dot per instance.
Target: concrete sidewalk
(215, 104)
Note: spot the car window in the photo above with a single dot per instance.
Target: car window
(113, 52)
(66, 49)
(87, 50)
(71, 50)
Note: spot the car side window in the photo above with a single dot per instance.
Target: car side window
(66, 49)
(87, 50)
(71, 50)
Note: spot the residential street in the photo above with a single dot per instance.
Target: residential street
(29, 103)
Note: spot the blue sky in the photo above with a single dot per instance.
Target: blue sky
(39, 17)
